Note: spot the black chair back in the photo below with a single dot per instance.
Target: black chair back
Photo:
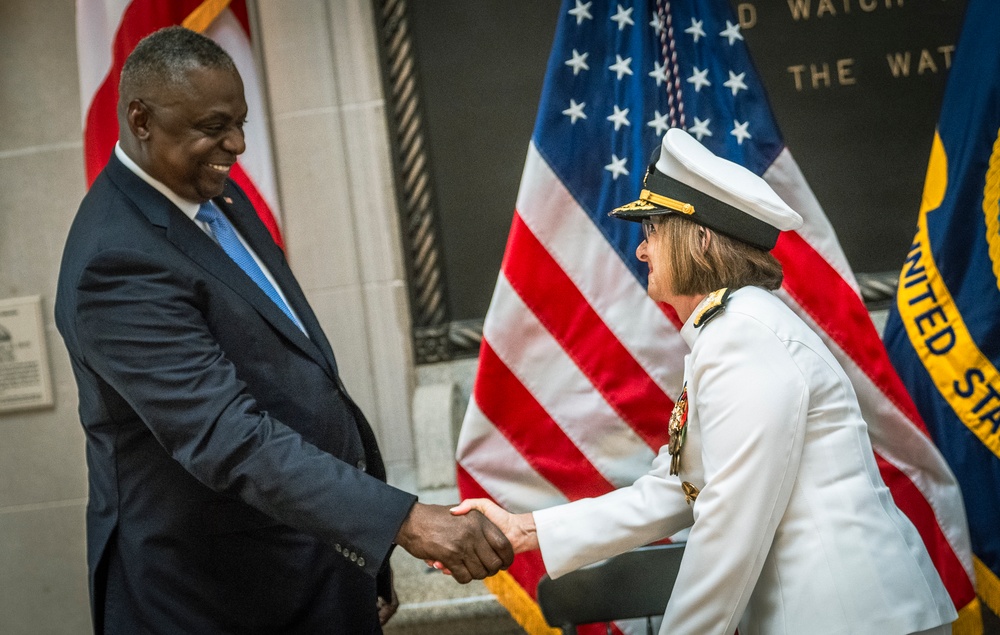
(636, 584)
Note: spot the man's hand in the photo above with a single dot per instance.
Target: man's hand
(387, 606)
(470, 546)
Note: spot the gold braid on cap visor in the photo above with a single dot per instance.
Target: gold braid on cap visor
(664, 201)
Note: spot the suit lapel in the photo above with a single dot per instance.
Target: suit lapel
(247, 223)
(197, 245)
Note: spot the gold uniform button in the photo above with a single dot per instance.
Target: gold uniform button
(690, 492)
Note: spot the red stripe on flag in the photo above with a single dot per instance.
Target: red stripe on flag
(914, 505)
(101, 130)
(239, 9)
(468, 486)
(529, 428)
(819, 289)
(671, 314)
(239, 175)
(528, 567)
(565, 312)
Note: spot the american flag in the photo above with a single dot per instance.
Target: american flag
(578, 368)
(108, 30)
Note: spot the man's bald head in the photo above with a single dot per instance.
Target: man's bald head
(162, 60)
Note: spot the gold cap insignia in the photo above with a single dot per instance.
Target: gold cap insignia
(636, 206)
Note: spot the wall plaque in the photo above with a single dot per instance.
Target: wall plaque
(25, 380)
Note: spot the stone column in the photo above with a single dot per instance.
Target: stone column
(338, 209)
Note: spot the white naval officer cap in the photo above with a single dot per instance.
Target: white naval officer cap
(684, 177)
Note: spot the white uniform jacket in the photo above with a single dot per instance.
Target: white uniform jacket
(793, 530)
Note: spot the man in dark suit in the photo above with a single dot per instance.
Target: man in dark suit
(235, 487)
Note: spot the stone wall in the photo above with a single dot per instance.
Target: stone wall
(339, 221)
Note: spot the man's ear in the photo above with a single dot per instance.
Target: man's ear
(137, 114)
(706, 238)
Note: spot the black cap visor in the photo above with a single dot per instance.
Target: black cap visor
(665, 195)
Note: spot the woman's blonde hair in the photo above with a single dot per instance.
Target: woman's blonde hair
(725, 262)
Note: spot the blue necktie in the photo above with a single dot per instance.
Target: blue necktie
(226, 236)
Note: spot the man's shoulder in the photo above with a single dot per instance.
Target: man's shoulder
(104, 208)
(107, 220)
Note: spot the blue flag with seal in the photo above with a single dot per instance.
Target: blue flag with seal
(943, 335)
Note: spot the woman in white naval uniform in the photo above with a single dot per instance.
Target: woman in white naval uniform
(791, 528)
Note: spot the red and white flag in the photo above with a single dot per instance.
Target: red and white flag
(108, 30)
(578, 368)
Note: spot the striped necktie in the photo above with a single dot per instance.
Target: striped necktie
(226, 236)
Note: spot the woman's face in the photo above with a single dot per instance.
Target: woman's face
(653, 251)
(657, 252)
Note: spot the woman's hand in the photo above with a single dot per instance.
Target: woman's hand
(518, 528)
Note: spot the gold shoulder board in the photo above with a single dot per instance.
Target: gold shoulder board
(715, 305)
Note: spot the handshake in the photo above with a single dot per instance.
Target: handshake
(471, 541)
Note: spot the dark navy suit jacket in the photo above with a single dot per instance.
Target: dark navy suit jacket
(235, 487)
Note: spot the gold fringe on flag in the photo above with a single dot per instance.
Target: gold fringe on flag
(987, 585)
(519, 604)
(201, 18)
(970, 620)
